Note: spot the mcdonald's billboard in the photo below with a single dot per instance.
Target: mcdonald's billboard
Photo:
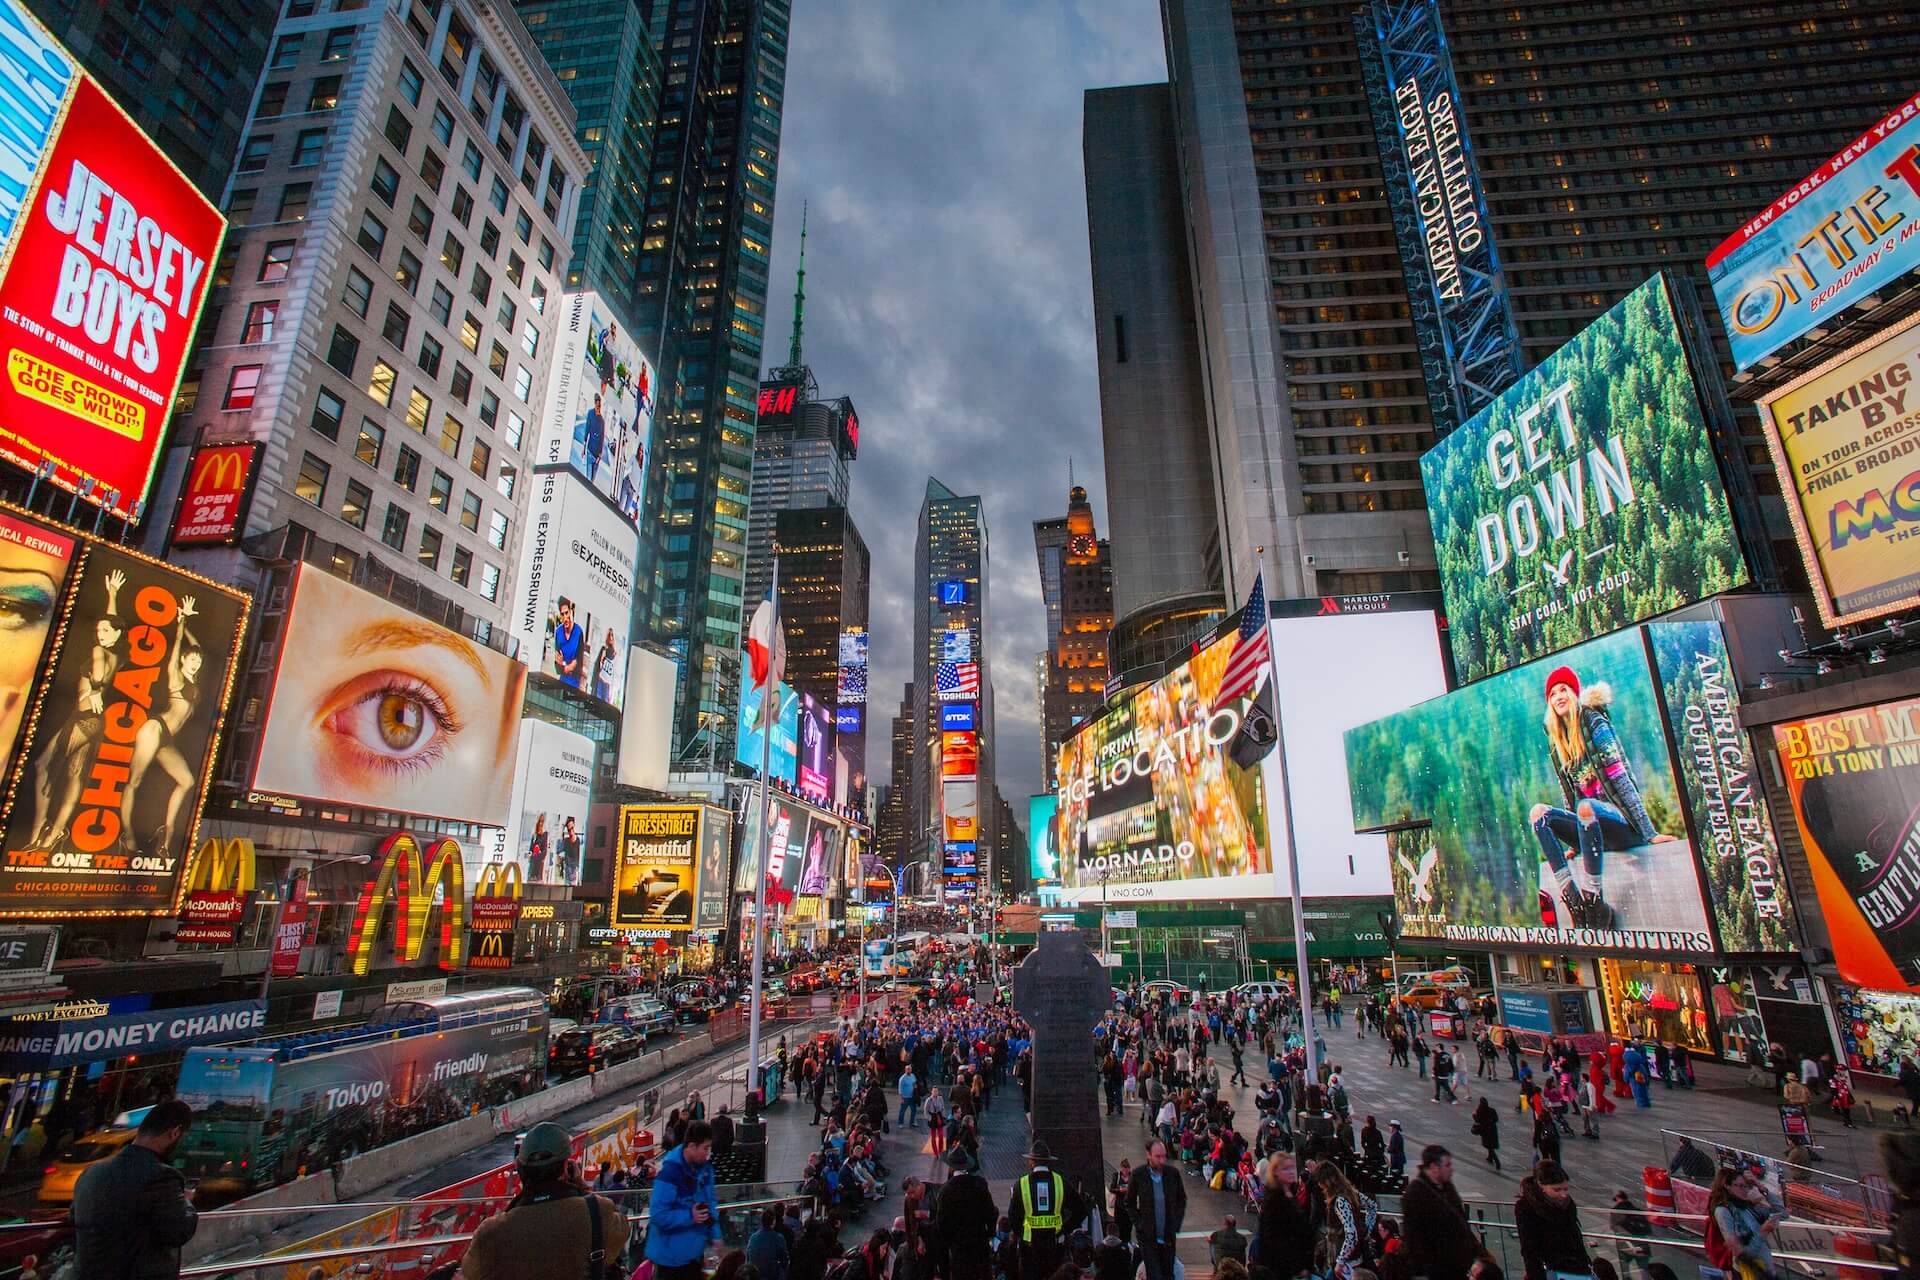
(409, 881)
(495, 912)
(213, 499)
(219, 885)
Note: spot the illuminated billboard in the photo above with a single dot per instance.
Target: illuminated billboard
(1844, 440)
(104, 254)
(821, 856)
(106, 791)
(816, 750)
(600, 401)
(35, 560)
(953, 593)
(957, 717)
(1839, 235)
(777, 404)
(1853, 778)
(212, 511)
(783, 759)
(374, 706)
(853, 667)
(546, 822)
(574, 598)
(1584, 499)
(1043, 839)
(959, 754)
(960, 808)
(657, 866)
(1538, 807)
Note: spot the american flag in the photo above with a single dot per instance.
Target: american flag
(1252, 654)
(956, 680)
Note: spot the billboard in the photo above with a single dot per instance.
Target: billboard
(853, 667)
(959, 754)
(1462, 315)
(784, 758)
(600, 400)
(574, 598)
(957, 717)
(658, 866)
(821, 858)
(1584, 499)
(716, 842)
(953, 593)
(1043, 839)
(850, 756)
(1841, 233)
(546, 824)
(1844, 440)
(816, 750)
(374, 706)
(1537, 807)
(960, 808)
(778, 402)
(1853, 779)
(212, 511)
(787, 818)
(34, 562)
(104, 249)
(646, 722)
(105, 795)
(956, 645)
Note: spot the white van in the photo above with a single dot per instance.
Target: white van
(1254, 992)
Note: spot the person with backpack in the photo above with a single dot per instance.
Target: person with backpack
(554, 1227)
(1740, 1223)
(681, 1219)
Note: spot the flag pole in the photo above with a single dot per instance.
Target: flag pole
(769, 698)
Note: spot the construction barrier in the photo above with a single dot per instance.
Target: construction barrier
(1658, 1184)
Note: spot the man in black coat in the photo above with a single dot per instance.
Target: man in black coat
(1157, 1205)
(964, 1217)
(130, 1213)
(1283, 1242)
(1440, 1245)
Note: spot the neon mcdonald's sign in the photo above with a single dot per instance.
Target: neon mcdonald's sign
(403, 878)
(219, 868)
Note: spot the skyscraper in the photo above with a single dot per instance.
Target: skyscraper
(702, 292)
(825, 570)
(905, 738)
(1076, 680)
(953, 677)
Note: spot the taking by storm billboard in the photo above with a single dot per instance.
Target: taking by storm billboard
(783, 760)
(1840, 234)
(546, 826)
(1846, 442)
(373, 705)
(104, 254)
(105, 796)
(1584, 499)
(1853, 778)
(1537, 807)
(574, 600)
(600, 401)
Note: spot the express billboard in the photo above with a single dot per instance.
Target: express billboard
(783, 760)
(546, 822)
(1838, 235)
(374, 706)
(1537, 807)
(1584, 499)
(212, 511)
(105, 795)
(574, 598)
(104, 249)
(600, 400)
(657, 869)
(35, 560)
(1853, 780)
(1846, 441)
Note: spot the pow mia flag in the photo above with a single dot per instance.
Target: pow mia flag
(1258, 731)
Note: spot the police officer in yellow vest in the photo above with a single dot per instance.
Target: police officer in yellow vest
(1042, 1212)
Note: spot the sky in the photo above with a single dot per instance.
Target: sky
(937, 149)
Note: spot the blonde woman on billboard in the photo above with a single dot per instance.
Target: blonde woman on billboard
(1603, 806)
(50, 821)
(153, 741)
(33, 568)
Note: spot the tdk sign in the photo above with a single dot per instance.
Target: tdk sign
(955, 716)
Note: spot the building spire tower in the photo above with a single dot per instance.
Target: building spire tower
(799, 294)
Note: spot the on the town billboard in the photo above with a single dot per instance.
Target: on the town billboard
(104, 255)
(1846, 442)
(1586, 498)
(1844, 231)
(574, 598)
(373, 705)
(600, 401)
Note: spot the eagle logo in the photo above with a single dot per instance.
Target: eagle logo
(1420, 877)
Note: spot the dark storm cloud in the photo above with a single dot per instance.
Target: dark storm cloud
(938, 148)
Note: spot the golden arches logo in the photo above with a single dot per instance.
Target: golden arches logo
(223, 868)
(226, 465)
(498, 880)
(402, 878)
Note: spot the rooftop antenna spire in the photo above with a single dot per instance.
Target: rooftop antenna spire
(1069, 471)
(799, 293)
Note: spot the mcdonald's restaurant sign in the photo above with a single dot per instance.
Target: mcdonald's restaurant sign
(496, 910)
(219, 885)
(411, 881)
(214, 495)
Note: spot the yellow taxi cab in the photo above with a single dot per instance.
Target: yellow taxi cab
(63, 1171)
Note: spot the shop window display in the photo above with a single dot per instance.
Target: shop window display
(1877, 1028)
(1656, 1001)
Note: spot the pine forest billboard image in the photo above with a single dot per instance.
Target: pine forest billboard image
(1586, 498)
(1542, 809)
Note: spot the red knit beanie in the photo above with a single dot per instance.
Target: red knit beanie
(1565, 676)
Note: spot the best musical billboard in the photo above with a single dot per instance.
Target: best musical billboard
(1841, 233)
(212, 511)
(373, 705)
(574, 599)
(105, 797)
(657, 866)
(1846, 442)
(35, 559)
(783, 760)
(600, 400)
(104, 249)
(1537, 807)
(1584, 499)
(1853, 779)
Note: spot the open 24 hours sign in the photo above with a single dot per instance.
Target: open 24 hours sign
(105, 249)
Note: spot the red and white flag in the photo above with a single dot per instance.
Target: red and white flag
(766, 646)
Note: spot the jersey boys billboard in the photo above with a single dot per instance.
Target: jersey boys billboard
(1846, 442)
(105, 270)
(1846, 230)
(1586, 498)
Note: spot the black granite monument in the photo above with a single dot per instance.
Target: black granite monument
(1063, 992)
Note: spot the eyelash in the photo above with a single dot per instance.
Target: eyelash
(446, 723)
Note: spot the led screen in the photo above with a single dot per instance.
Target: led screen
(600, 402)
(574, 598)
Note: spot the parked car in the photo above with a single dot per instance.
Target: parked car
(586, 1050)
(1167, 987)
(696, 1009)
(1263, 990)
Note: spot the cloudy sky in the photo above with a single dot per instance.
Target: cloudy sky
(937, 146)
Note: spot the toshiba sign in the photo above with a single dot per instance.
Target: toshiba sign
(103, 270)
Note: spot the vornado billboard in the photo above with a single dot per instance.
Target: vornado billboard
(1586, 498)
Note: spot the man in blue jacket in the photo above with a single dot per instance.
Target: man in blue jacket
(681, 1217)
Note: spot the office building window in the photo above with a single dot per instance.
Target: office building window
(242, 381)
(339, 44)
(480, 461)
(373, 439)
(489, 581)
(406, 469)
(354, 504)
(462, 566)
(497, 526)
(470, 512)
(253, 154)
(328, 409)
(450, 433)
(380, 383)
(325, 94)
(393, 531)
(462, 383)
(395, 329)
(470, 333)
(420, 220)
(419, 409)
(411, 81)
(407, 273)
(260, 318)
(440, 492)
(399, 130)
(240, 205)
(286, 51)
(386, 181)
(310, 485)
(430, 353)
(277, 260)
(295, 198)
(343, 350)
(307, 146)
(372, 235)
(430, 543)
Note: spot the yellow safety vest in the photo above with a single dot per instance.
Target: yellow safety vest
(1049, 1220)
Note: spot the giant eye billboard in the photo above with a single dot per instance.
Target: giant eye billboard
(600, 400)
(374, 706)
(1586, 498)
(34, 561)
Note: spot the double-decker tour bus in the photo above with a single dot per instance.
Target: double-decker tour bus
(274, 1109)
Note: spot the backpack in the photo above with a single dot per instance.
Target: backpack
(1720, 1254)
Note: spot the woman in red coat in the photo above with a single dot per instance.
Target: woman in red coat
(1617, 1064)
(1597, 1077)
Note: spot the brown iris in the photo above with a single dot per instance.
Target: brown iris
(401, 720)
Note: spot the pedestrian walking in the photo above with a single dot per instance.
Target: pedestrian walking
(1486, 1126)
(1548, 1223)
